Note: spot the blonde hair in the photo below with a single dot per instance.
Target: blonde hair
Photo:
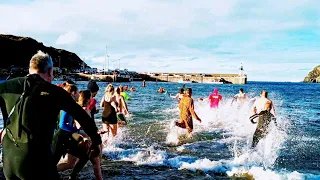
(41, 62)
(70, 88)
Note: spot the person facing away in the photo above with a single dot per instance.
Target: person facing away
(110, 110)
(264, 110)
(91, 154)
(186, 107)
(93, 88)
(144, 83)
(124, 93)
(122, 108)
(179, 95)
(35, 104)
(241, 97)
(215, 98)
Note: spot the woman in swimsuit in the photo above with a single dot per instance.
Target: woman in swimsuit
(110, 109)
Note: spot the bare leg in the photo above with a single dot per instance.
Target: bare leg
(69, 164)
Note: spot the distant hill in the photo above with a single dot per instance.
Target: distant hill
(17, 51)
(313, 76)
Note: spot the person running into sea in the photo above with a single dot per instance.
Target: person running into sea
(93, 155)
(241, 97)
(29, 128)
(110, 109)
(63, 141)
(263, 109)
(124, 93)
(122, 108)
(93, 88)
(186, 107)
(179, 95)
(214, 98)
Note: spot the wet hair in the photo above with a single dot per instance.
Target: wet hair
(241, 90)
(121, 88)
(84, 98)
(41, 62)
(189, 90)
(93, 86)
(118, 91)
(70, 88)
(181, 91)
(265, 93)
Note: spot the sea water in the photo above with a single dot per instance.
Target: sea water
(220, 146)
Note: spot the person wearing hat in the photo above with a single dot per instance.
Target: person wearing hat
(93, 88)
(214, 98)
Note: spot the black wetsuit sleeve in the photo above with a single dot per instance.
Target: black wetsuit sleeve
(4, 111)
(88, 125)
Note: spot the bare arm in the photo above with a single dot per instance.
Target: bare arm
(234, 98)
(123, 102)
(194, 114)
(113, 103)
(102, 100)
(273, 111)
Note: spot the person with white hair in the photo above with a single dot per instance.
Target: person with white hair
(30, 112)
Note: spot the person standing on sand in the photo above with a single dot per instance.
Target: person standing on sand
(33, 104)
(186, 107)
(263, 109)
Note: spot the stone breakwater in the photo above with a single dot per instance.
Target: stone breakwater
(183, 78)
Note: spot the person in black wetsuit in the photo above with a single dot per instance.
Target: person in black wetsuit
(35, 104)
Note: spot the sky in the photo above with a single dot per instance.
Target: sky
(275, 40)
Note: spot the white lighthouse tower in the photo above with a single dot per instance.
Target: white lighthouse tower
(241, 74)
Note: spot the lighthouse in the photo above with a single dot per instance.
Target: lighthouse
(241, 70)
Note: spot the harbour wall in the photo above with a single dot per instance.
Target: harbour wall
(196, 78)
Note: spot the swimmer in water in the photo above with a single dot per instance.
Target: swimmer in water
(161, 90)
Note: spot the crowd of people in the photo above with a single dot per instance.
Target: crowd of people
(32, 106)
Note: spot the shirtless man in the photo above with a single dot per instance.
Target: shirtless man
(186, 107)
(241, 97)
(263, 109)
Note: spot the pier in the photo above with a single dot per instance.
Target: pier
(197, 78)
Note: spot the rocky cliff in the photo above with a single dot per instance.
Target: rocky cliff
(17, 51)
(313, 76)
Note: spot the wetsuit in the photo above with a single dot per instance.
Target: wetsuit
(264, 120)
(32, 125)
(63, 142)
(186, 107)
